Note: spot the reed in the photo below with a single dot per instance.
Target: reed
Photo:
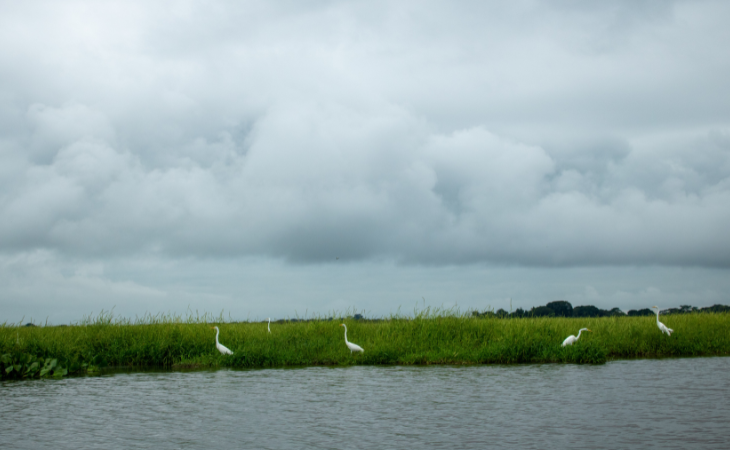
(430, 337)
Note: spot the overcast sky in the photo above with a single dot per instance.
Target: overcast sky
(271, 158)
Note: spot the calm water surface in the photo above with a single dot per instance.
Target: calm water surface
(680, 403)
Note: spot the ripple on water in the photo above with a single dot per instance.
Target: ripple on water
(673, 403)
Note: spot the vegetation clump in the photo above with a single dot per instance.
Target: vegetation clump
(428, 337)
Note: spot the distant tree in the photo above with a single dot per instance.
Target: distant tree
(358, 317)
(519, 312)
(587, 311)
(640, 312)
(561, 308)
(716, 309)
(542, 311)
(683, 309)
(615, 312)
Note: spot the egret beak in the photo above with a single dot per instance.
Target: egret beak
(342, 324)
(588, 330)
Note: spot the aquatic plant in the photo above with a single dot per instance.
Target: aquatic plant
(29, 366)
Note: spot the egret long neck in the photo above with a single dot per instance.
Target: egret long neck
(657, 316)
(578, 337)
(345, 333)
(216, 335)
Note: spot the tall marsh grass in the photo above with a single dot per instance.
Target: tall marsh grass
(431, 337)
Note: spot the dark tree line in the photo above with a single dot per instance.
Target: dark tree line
(561, 308)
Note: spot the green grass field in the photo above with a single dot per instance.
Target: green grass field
(426, 339)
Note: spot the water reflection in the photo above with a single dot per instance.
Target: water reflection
(631, 404)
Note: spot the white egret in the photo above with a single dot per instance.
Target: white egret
(269, 325)
(350, 345)
(661, 326)
(572, 339)
(221, 348)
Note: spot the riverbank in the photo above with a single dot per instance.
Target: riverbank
(449, 339)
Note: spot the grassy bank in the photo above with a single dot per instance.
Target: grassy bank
(426, 339)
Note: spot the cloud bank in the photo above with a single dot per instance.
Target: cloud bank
(534, 133)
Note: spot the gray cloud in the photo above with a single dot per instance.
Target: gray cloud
(319, 181)
(534, 133)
